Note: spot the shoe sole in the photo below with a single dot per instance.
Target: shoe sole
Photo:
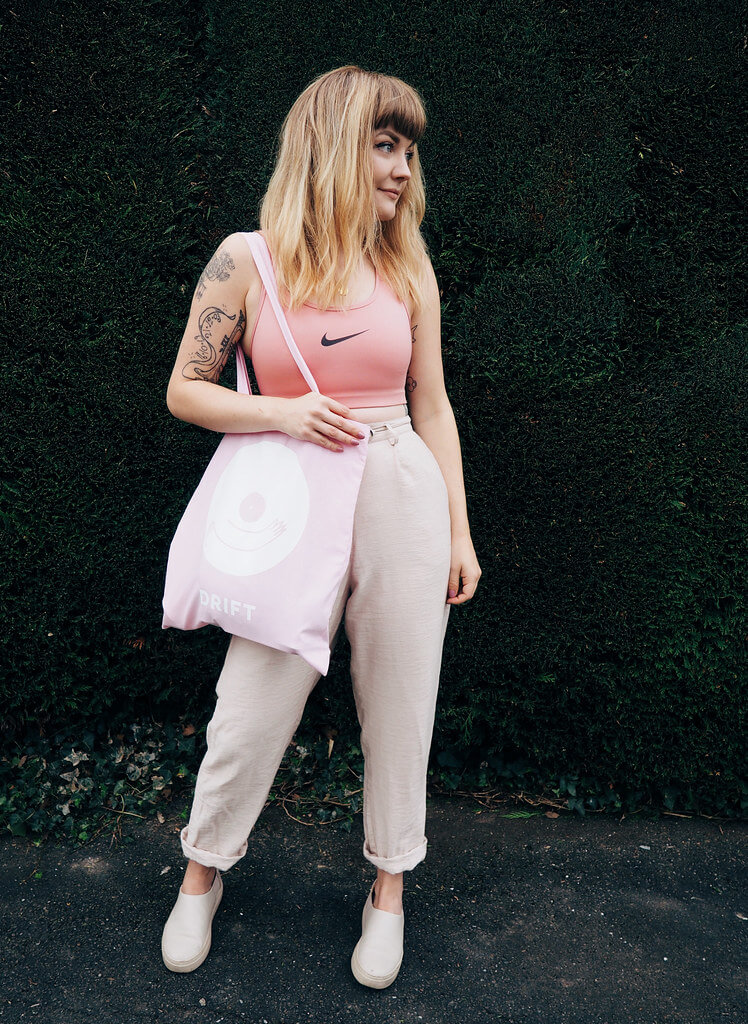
(186, 966)
(372, 980)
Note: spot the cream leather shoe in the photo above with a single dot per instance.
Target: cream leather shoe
(379, 952)
(187, 935)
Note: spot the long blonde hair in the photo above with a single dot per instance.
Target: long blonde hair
(320, 204)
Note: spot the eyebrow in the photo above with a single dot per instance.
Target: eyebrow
(395, 138)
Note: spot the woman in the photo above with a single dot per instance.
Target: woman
(341, 218)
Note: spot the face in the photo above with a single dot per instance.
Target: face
(391, 155)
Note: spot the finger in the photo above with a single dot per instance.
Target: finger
(325, 442)
(340, 435)
(337, 407)
(469, 585)
(338, 428)
(348, 428)
(453, 586)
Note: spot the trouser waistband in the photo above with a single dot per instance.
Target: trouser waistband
(389, 429)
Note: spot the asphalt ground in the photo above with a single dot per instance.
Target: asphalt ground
(507, 921)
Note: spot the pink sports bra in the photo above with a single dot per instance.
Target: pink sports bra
(359, 357)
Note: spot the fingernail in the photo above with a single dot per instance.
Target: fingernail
(452, 592)
(362, 436)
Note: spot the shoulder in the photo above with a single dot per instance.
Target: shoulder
(230, 275)
(232, 254)
(430, 297)
(429, 276)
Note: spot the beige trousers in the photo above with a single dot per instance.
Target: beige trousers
(394, 598)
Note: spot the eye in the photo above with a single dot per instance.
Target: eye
(409, 155)
(380, 144)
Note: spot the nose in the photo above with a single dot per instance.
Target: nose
(403, 170)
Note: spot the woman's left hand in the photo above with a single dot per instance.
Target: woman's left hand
(464, 572)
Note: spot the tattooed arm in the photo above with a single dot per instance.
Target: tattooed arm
(224, 308)
(227, 293)
(226, 329)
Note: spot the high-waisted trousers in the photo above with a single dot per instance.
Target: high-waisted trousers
(394, 598)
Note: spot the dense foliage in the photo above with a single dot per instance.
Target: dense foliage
(581, 167)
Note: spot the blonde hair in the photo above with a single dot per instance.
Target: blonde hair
(320, 205)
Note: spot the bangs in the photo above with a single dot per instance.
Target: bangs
(400, 106)
(319, 206)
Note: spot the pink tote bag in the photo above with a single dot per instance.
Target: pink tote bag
(264, 543)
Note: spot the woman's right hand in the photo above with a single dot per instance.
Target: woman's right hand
(322, 420)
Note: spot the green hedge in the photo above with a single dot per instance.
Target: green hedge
(581, 167)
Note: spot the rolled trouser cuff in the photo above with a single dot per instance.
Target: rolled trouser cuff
(403, 862)
(205, 857)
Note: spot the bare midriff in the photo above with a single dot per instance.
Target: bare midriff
(378, 415)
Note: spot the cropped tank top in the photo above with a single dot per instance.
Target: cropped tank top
(359, 356)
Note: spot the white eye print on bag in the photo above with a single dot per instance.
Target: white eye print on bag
(258, 511)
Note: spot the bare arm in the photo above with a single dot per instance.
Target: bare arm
(226, 297)
(433, 419)
(217, 319)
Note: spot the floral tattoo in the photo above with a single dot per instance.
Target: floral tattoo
(218, 269)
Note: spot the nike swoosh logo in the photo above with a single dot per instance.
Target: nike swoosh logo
(334, 341)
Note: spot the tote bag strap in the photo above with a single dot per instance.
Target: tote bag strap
(261, 254)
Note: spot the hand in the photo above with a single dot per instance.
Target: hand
(464, 572)
(321, 420)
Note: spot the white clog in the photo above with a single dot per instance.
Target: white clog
(379, 952)
(187, 935)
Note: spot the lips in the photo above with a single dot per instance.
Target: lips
(390, 192)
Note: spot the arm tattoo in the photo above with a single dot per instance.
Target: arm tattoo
(210, 358)
(410, 382)
(218, 269)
